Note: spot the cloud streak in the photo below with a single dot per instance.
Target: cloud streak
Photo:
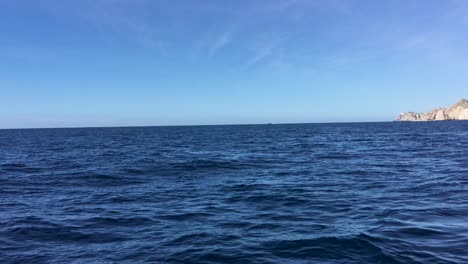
(222, 41)
(261, 54)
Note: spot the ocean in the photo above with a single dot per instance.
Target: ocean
(301, 193)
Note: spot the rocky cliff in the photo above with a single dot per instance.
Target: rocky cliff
(459, 111)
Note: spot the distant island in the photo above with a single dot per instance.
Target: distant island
(459, 111)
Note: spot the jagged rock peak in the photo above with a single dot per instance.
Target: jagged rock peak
(462, 103)
(459, 111)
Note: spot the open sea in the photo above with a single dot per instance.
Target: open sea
(301, 193)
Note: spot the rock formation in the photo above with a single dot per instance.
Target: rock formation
(459, 111)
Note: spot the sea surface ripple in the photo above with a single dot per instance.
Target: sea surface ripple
(305, 193)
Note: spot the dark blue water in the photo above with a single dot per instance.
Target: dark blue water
(315, 193)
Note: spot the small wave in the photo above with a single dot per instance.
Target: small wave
(210, 164)
(268, 199)
(59, 234)
(245, 187)
(101, 177)
(186, 216)
(98, 179)
(419, 231)
(13, 165)
(265, 226)
(20, 167)
(236, 224)
(133, 171)
(114, 221)
(357, 249)
(189, 238)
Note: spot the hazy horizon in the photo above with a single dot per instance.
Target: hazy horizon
(118, 63)
(196, 125)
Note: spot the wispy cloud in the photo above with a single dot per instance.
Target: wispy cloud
(117, 17)
(261, 54)
(222, 40)
(265, 45)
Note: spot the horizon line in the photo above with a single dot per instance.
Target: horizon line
(194, 125)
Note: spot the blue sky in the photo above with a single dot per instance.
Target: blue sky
(170, 62)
